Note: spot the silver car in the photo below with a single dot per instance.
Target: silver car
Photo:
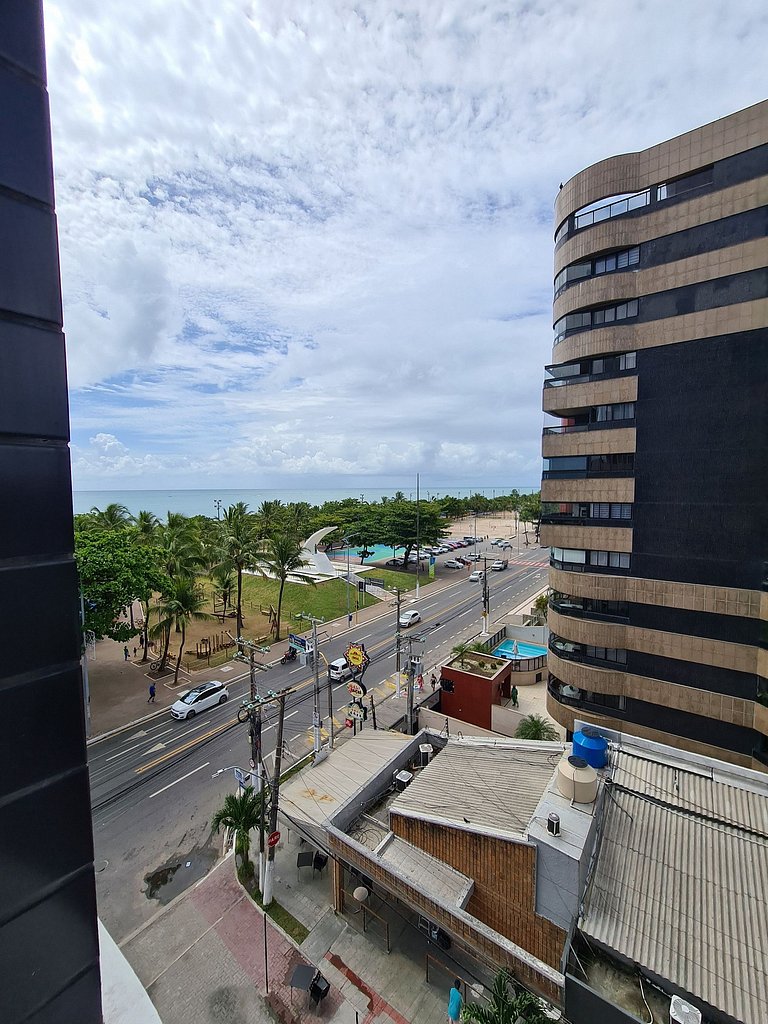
(199, 698)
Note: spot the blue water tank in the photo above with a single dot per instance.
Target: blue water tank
(589, 744)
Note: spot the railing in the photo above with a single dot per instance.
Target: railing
(365, 910)
(588, 378)
(611, 210)
(556, 519)
(614, 570)
(580, 428)
(587, 659)
(584, 474)
(528, 664)
(574, 611)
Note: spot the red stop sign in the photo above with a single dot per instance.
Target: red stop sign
(273, 839)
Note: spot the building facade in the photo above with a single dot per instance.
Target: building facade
(655, 484)
(49, 947)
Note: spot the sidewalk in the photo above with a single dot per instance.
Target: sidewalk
(202, 960)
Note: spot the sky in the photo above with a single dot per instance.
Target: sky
(310, 243)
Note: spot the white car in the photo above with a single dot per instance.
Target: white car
(499, 565)
(477, 575)
(199, 698)
(452, 563)
(475, 558)
(409, 618)
(340, 670)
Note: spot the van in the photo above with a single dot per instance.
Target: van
(339, 671)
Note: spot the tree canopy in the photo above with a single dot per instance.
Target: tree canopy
(114, 569)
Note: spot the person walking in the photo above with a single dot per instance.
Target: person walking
(420, 682)
(151, 694)
(432, 682)
(455, 1002)
(126, 653)
(513, 695)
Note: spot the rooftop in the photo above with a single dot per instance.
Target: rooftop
(680, 883)
(492, 786)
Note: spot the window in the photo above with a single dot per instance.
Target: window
(616, 411)
(686, 184)
(615, 207)
(612, 559)
(619, 464)
(595, 318)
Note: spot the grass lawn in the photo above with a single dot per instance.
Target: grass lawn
(326, 601)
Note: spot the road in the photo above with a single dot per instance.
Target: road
(151, 787)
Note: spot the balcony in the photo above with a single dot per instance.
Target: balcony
(573, 609)
(573, 697)
(580, 428)
(584, 654)
(557, 519)
(612, 570)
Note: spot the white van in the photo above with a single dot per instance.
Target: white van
(339, 671)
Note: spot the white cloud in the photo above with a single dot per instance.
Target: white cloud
(316, 239)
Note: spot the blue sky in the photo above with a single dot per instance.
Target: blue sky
(312, 242)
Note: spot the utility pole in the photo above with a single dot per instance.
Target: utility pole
(486, 597)
(411, 675)
(397, 647)
(316, 736)
(252, 648)
(266, 892)
(254, 734)
(418, 549)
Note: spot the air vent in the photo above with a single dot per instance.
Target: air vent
(553, 824)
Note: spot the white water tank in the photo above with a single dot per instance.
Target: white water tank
(577, 780)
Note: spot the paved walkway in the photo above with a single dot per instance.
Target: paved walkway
(202, 960)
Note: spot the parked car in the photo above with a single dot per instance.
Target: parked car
(477, 575)
(474, 557)
(506, 545)
(339, 671)
(464, 559)
(499, 565)
(199, 698)
(453, 563)
(394, 562)
(410, 618)
(471, 540)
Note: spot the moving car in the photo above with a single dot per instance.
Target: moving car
(394, 561)
(340, 670)
(409, 618)
(199, 698)
(452, 563)
(477, 575)
(475, 557)
(499, 565)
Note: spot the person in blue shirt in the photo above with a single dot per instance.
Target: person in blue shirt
(455, 1002)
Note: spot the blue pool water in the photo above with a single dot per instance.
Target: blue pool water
(380, 551)
(524, 650)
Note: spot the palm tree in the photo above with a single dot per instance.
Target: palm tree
(462, 651)
(114, 517)
(280, 557)
(271, 515)
(223, 584)
(241, 813)
(146, 524)
(147, 527)
(181, 606)
(536, 727)
(506, 1005)
(238, 547)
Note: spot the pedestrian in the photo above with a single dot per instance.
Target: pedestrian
(514, 696)
(420, 682)
(126, 652)
(134, 652)
(432, 682)
(455, 1002)
(151, 694)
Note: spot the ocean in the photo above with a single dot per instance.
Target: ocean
(203, 502)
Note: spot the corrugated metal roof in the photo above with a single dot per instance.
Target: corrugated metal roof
(700, 792)
(681, 895)
(428, 874)
(493, 786)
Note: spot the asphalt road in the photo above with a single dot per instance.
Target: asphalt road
(151, 788)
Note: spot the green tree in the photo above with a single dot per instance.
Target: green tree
(147, 525)
(507, 1005)
(114, 517)
(280, 557)
(224, 582)
(462, 652)
(536, 727)
(398, 525)
(540, 606)
(114, 570)
(182, 604)
(240, 813)
(239, 544)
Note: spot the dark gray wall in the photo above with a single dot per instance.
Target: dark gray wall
(48, 938)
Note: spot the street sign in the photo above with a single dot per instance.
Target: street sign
(273, 839)
(355, 655)
(297, 641)
(243, 778)
(356, 690)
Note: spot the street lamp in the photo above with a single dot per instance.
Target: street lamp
(217, 506)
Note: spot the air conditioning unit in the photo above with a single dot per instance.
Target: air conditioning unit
(425, 754)
(681, 1012)
(403, 779)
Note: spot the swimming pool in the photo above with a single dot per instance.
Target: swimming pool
(380, 552)
(508, 650)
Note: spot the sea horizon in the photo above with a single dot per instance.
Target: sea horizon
(203, 502)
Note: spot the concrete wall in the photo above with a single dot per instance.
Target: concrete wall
(505, 720)
(435, 720)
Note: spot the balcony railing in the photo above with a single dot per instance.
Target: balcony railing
(588, 378)
(572, 652)
(584, 474)
(557, 519)
(613, 570)
(575, 611)
(580, 428)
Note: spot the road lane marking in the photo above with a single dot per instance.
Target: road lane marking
(126, 751)
(293, 713)
(199, 768)
(185, 746)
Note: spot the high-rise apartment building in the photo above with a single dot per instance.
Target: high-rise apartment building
(655, 483)
(49, 950)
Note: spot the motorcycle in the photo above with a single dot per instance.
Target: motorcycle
(290, 655)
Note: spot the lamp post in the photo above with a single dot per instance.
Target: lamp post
(418, 551)
(217, 506)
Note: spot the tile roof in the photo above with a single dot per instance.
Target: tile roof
(491, 785)
(679, 887)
